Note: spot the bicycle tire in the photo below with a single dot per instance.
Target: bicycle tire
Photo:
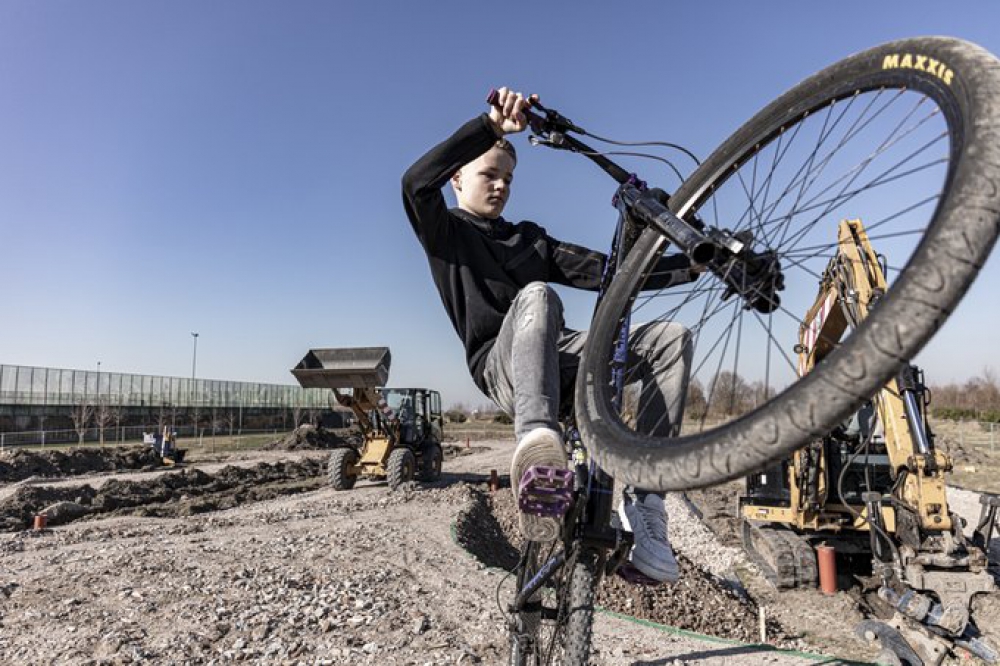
(964, 83)
(527, 620)
(582, 590)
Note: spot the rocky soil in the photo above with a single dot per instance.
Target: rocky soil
(258, 561)
(18, 465)
(310, 437)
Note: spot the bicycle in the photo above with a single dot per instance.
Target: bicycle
(756, 215)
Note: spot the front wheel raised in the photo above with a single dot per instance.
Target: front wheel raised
(903, 136)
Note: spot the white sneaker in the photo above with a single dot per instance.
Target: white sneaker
(646, 517)
(541, 447)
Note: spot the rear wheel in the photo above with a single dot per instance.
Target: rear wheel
(903, 136)
(401, 467)
(556, 624)
(579, 611)
(431, 461)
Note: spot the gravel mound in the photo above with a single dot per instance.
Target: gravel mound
(310, 437)
(701, 601)
(17, 464)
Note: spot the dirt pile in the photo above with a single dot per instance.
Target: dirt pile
(180, 493)
(699, 602)
(310, 437)
(17, 464)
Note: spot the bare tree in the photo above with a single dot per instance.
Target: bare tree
(696, 405)
(729, 394)
(118, 413)
(296, 416)
(231, 420)
(81, 414)
(103, 417)
(313, 416)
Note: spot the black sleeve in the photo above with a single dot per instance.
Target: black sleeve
(422, 182)
(575, 266)
(670, 271)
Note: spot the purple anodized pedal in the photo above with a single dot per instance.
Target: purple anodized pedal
(545, 491)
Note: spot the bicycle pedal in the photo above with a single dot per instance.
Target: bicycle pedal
(545, 491)
(633, 576)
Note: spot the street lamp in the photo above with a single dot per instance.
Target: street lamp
(194, 359)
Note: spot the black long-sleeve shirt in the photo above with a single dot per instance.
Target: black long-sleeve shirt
(480, 265)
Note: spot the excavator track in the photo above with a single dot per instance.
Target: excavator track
(786, 559)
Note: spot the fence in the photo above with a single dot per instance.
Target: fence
(124, 435)
(26, 385)
(978, 435)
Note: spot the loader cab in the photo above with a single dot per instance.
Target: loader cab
(419, 414)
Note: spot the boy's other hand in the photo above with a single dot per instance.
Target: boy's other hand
(507, 113)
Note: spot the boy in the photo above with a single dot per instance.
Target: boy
(492, 277)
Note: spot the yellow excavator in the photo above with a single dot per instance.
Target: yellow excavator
(874, 490)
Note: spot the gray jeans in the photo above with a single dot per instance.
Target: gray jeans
(531, 370)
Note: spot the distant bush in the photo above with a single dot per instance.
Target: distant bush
(965, 414)
(456, 416)
(501, 417)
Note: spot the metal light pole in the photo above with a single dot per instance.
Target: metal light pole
(194, 359)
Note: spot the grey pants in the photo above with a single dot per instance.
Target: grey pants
(531, 370)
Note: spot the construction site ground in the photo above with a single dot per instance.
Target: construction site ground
(248, 556)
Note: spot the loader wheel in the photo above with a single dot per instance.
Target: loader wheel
(431, 460)
(401, 467)
(338, 469)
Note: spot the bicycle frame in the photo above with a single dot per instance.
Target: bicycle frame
(590, 512)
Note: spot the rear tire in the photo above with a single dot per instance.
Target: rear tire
(566, 640)
(585, 576)
(431, 461)
(963, 86)
(338, 469)
(401, 467)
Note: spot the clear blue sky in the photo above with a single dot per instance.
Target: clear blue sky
(233, 167)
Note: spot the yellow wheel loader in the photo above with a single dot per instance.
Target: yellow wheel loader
(874, 489)
(401, 428)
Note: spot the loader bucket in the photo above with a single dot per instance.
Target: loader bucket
(355, 367)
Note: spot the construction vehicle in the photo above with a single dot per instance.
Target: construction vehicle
(874, 490)
(401, 428)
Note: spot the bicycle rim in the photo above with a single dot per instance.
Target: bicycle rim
(913, 153)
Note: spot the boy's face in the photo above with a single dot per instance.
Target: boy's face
(483, 185)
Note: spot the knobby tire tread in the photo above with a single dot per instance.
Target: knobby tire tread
(580, 612)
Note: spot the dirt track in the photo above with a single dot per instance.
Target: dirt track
(277, 568)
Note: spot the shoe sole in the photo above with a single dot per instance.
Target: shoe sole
(546, 452)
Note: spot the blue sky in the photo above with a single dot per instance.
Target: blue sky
(232, 168)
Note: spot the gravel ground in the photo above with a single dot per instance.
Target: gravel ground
(318, 577)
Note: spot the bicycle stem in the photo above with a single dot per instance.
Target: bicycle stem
(645, 206)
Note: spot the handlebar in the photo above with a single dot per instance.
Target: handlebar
(756, 276)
